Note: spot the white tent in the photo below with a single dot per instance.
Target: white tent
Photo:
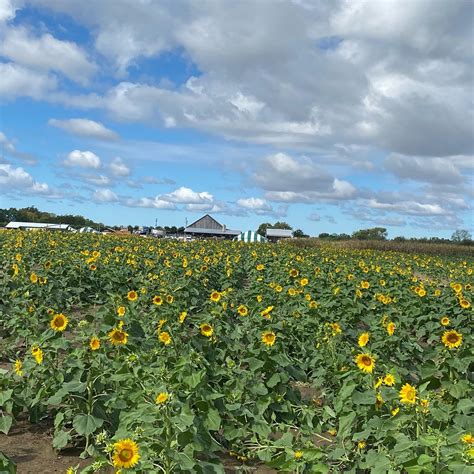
(250, 236)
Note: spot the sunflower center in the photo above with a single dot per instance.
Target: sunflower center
(366, 361)
(59, 322)
(125, 454)
(452, 338)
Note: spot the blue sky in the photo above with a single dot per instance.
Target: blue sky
(128, 111)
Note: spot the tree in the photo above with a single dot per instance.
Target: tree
(282, 225)
(461, 235)
(375, 233)
(299, 234)
(262, 228)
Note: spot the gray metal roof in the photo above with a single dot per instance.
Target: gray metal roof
(197, 230)
(36, 225)
(279, 233)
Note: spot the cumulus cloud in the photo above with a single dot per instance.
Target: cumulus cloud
(118, 168)
(83, 159)
(155, 203)
(18, 181)
(104, 195)
(254, 204)
(430, 170)
(19, 81)
(84, 128)
(184, 195)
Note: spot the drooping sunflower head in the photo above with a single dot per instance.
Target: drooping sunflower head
(407, 394)
(365, 362)
(94, 343)
(206, 330)
(452, 339)
(243, 310)
(37, 354)
(126, 454)
(363, 339)
(132, 295)
(59, 322)
(268, 338)
(18, 367)
(118, 337)
(391, 328)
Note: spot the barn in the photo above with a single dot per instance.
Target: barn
(274, 235)
(207, 228)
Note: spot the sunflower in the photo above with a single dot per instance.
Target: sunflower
(365, 285)
(407, 394)
(365, 362)
(266, 312)
(206, 330)
(304, 281)
(34, 278)
(336, 329)
(294, 272)
(391, 328)
(260, 267)
(121, 311)
(313, 304)
(37, 354)
(182, 316)
(268, 338)
(444, 321)
(389, 380)
(118, 337)
(457, 287)
(158, 300)
(125, 454)
(18, 367)
(169, 299)
(165, 338)
(243, 310)
(132, 295)
(395, 411)
(162, 398)
(215, 296)
(363, 339)
(452, 339)
(464, 303)
(467, 438)
(59, 322)
(94, 343)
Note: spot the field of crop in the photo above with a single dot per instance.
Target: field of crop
(160, 356)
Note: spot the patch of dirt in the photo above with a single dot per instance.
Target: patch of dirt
(30, 447)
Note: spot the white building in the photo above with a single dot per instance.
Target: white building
(274, 235)
(38, 226)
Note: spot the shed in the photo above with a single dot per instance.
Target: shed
(208, 227)
(274, 235)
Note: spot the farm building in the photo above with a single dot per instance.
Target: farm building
(274, 235)
(208, 227)
(39, 226)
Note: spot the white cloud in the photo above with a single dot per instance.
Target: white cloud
(105, 195)
(118, 168)
(46, 53)
(84, 128)
(430, 170)
(185, 195)
(18, 81)
(155, 203)
(18, 181)
(83, 159)
(8, 9)
(254, 204)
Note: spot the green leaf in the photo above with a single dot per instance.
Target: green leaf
(74, 386)
(466, 405)
(274, 379)
(7, 466)
(213, 420)
(345, 423)
(194, 379)
(60, 440)
(57, 398)
(5, 395)
(5, 423)
(364, 398)
(86, 424)
(425, 459)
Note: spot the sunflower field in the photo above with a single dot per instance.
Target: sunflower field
(212, 357)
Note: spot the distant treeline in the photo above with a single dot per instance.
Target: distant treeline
(31, 214)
